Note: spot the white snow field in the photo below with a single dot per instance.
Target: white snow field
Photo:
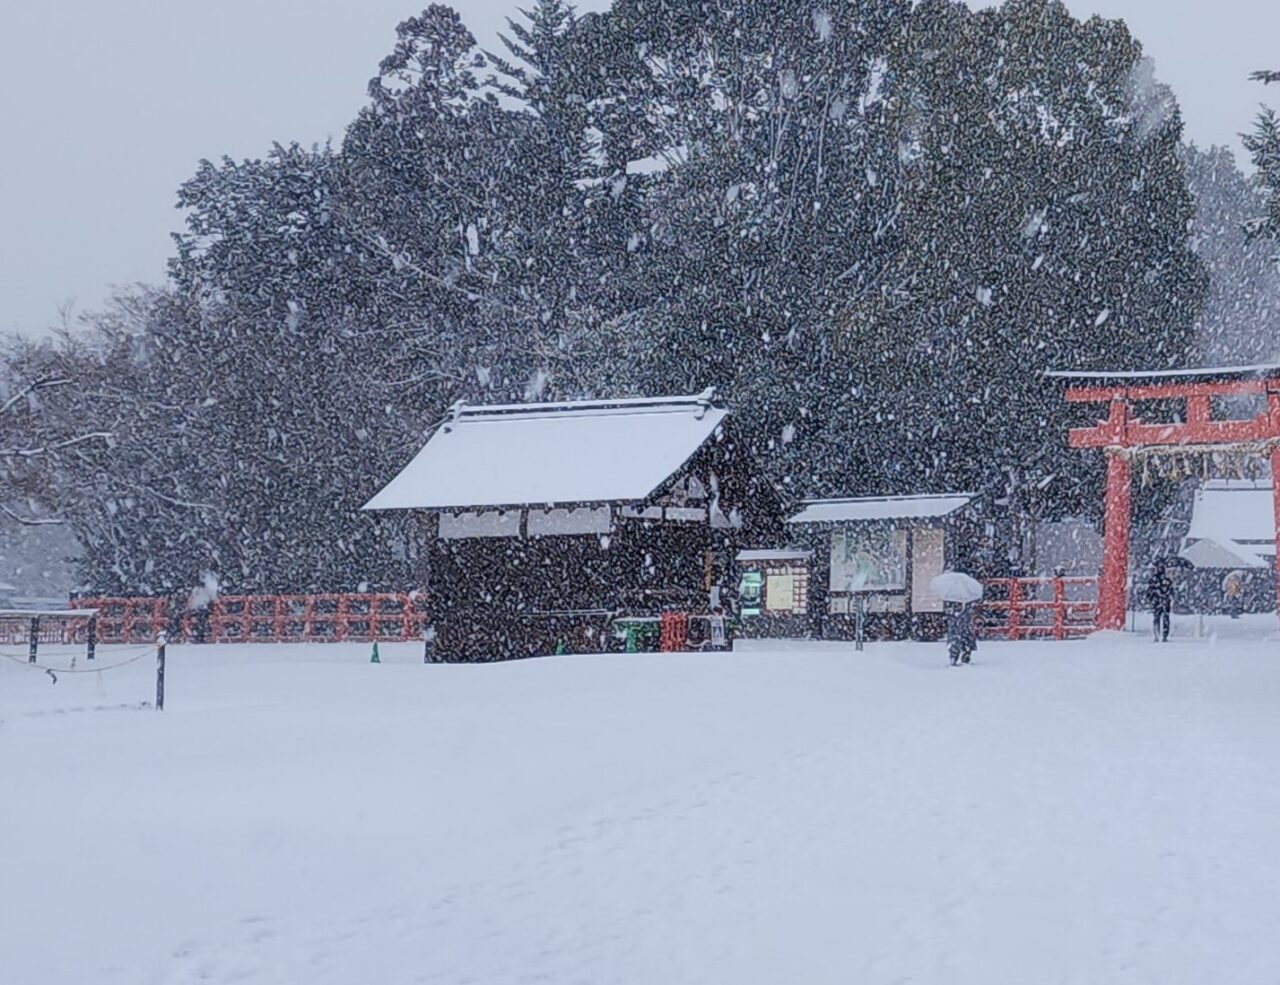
(1097, 812)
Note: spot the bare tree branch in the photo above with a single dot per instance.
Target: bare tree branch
(56, 446)
(30, 521)
(41, 384)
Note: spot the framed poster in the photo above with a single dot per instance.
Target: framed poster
(870, 559)
(780, 593)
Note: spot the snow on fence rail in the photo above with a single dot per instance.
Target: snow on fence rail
(329, 618)
(24, 626)
(1028, 608)
(1014, 609)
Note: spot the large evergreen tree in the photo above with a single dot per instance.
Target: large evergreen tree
(1240, 323)
(771, 203)
(871, 223)
(1044, 224)
(1263, 145)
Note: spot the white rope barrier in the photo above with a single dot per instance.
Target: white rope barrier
(24, 661)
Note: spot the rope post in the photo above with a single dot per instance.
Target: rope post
(34, 640)
(1059, 608)
(161, 640)
(1015, 609)
(91, 643)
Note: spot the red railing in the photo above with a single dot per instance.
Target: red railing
(674, 634)
(126, 620)
(1028, 608)
(51, 628)
(333, 618)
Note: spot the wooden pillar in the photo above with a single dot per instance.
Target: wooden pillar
(1115, 544)
(1059, 608)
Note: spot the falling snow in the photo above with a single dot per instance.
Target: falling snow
(855, 235)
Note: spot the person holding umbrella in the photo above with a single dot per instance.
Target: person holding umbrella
(960, 593)
(1233, 593)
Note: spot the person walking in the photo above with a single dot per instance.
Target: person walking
(1233, 594)
(1160, 597)
(962, 636)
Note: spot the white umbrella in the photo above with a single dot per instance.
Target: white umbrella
(956, 586)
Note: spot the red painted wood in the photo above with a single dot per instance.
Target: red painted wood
(1023, 616)
(261, 618)
(1125, 430)
(1169, 391)
(1136, 433)
(1059, 609)
(1115, 544)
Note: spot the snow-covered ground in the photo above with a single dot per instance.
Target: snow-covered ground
(1093, 812)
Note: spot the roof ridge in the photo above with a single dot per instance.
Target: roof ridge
(704, 400)
(1153, 374)
(892, 497)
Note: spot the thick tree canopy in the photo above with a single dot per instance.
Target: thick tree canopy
(871, 223)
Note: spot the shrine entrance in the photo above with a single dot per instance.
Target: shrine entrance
(1200, 429)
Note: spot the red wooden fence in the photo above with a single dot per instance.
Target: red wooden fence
(336, 618)
(1014, 609)
(674, 634)
(1028, 608)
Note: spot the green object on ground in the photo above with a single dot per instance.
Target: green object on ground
(375, 659)
(638, 633)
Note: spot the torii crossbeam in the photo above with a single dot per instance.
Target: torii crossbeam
(1123, 435)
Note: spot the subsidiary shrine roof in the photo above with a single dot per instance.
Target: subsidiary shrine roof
(880, 508)
(600, 451)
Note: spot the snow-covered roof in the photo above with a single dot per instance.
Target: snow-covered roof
(881, 508)
(1207, 553)
(600, 451)
(774, 555)
(1216, 372)
(1239, 517)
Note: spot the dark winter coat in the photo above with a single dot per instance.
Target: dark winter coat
(961, 633)
(1160, 592)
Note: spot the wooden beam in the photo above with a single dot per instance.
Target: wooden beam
(1134, 433)
(1170, 391)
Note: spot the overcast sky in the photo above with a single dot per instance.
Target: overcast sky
(106, 106)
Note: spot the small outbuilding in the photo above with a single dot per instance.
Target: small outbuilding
(879, 553)
(551, 522)
(1232, 531)
(773, 593)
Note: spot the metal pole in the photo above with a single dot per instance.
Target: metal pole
(34, 640)
(161, 640)
(92, 643)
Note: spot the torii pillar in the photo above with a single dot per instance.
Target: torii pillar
(1198, 431)
(1118, 511)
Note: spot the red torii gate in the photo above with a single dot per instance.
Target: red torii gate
(1123, 434)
